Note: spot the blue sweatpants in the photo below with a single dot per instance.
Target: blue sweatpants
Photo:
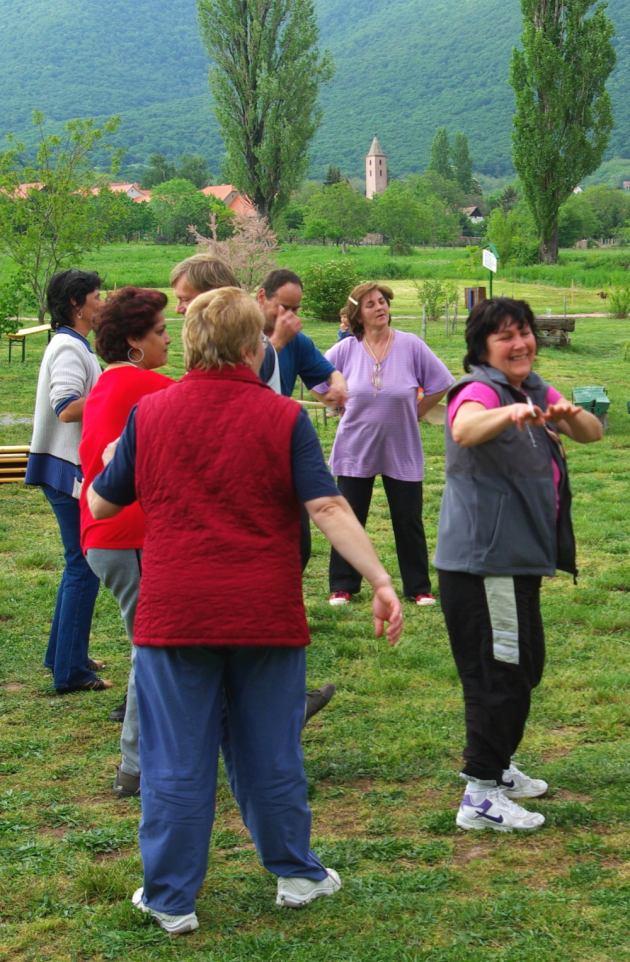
(182, 693)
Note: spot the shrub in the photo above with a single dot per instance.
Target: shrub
(394, 270)
(326, 288)
(14, 297)
(619, 301)
(432, 296)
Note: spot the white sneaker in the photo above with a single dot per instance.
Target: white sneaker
(516, 784)
(173, 924)
(490, 808)
(295, 893)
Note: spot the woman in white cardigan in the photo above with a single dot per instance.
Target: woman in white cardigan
(68, 372)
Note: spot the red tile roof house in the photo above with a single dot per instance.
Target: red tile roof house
(133, 191)
(232, 198)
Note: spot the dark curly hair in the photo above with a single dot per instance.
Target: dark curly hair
(130, 312)
(67, 290)
(489, 316)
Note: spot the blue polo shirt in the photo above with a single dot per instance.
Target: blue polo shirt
(300, 358)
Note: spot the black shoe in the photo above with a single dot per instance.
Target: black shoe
(316, 700)
(118, 713)
(125, 785)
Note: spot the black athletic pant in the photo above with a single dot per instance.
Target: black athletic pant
(498, 644)
(405, 507)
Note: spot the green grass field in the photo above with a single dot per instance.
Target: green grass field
(382, 760)
(575, 283)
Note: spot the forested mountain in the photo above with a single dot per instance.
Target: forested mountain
(403, 68)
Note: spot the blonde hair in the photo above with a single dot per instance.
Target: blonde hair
(204, 272)
(219, 327)
(353, 304)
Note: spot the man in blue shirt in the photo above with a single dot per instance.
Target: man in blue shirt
(279, 298)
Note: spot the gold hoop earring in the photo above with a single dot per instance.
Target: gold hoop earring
(135, 360)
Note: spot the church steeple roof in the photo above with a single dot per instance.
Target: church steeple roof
(375, 150)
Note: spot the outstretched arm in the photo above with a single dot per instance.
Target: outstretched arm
(337, 521)
(574, 421)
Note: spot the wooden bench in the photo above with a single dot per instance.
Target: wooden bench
(13, 458)
(554, 329)
(23, 333)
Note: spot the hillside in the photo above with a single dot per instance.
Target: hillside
(402, 69)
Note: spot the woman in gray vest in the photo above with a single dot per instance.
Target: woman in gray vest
(505, 522)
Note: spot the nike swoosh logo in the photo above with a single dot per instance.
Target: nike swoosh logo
(493, 818)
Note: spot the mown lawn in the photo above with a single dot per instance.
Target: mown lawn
(576, 284)
(382, 760)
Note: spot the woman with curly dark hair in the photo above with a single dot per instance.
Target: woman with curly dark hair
(133, 340)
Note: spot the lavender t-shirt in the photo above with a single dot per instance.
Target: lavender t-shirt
(378, 432)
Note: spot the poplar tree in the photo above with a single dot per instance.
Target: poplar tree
(563, 115)
(462, 163)
(440, 154)
(265, 78)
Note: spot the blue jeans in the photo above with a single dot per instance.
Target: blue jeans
(182, 694)
(67, 652)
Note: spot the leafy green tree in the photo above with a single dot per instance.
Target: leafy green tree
(290, 223)
(611, 208)
(397, 214)
(462, 163)
(49, 225)
(194, 167)
(563, 115)
(337, 213)
(123, 218)
(576, 220)
(408, 214)
(177, 205)
(265, 80)
(440, 155)
(158, 171)
(513, 233)
(432, 184)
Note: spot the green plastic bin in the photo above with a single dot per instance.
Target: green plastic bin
(592, 398)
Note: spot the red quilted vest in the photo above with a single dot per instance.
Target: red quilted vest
(221, 561)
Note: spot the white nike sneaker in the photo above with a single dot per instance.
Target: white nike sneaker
(295, 893)
(490, 808)
(516, 784)
(173, 924)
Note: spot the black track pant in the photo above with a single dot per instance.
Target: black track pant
(498, 644)
(405, 507)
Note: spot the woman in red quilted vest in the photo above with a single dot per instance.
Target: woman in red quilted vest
(220, 465)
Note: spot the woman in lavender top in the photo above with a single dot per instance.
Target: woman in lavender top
(378, 433)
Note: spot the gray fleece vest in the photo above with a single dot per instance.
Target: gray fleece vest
(498, 514)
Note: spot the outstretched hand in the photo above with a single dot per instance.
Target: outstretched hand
(387, 609)
(561, 409)
(523, 415)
